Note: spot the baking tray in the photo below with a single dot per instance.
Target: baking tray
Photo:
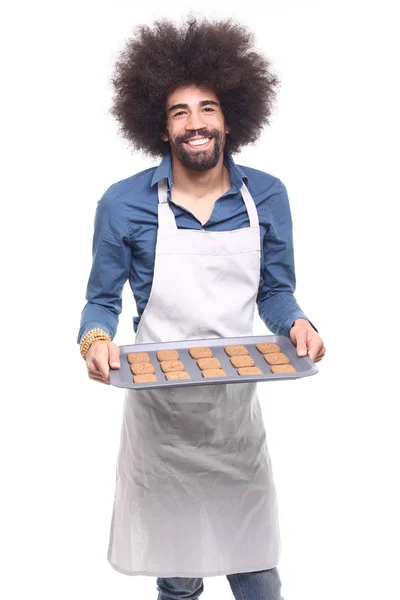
(123, 377)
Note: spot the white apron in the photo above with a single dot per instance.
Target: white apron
(194, 493)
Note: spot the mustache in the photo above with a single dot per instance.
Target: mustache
(199, 132)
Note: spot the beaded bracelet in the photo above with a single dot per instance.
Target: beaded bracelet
(92, 336)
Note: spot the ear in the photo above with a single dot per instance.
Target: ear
(227, 130)
(165, 137)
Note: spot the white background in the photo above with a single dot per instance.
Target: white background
(333, 438)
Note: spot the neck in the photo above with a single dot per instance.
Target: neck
(199, 184)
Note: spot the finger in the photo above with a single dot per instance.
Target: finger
(301, 343)
(315, 346)
(316, 349)
(321, 353)
(114, 356)
(94, 373)
(91, 365)
(98, 378)
(101, 365)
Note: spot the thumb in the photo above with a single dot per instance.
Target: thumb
(114, 356)
(301, 343)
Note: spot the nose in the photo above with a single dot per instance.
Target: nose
(195, 121)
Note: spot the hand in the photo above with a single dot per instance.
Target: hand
(307, 340)
(102, 356)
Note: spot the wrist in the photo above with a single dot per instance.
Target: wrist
(94, 335)
(302, 322)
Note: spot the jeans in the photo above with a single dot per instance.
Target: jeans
(256, 585)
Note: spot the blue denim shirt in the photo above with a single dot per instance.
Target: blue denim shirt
(124, 242)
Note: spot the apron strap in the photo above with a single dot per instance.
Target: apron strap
(251, 206)
(166, 217)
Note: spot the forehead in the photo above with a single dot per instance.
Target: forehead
(191, 95)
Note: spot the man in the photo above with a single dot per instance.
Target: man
(202, 242)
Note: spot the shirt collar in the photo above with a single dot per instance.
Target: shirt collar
(164, 171)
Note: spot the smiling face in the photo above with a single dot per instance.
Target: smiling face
(195, 127)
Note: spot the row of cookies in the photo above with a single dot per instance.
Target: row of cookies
(274, 356)
(144, 372)
(141, 367)
(171, 365)
(207, 363)
(272, 353)
(241, 360)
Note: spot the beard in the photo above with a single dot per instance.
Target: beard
(199, 160)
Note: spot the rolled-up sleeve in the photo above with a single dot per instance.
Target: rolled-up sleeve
(276, 303)
(111, 258)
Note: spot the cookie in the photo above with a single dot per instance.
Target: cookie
(268, 347)
(283, 369)
(236, 350)
(147, 377)
(169, 366)
(242, 361)
(167, 355)
(138, 357)
(142, 368)
(214, 373)
(276, 358)
(200, 352)
(177, 375)
(249, 371)
(208, 363)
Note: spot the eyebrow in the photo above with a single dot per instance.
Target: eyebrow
(201, 103)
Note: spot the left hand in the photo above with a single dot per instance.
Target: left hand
(307, 340)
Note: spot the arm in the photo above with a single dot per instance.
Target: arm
(111, 252)
(276, 303)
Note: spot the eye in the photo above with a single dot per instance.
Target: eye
(209, 108)
(181, 112)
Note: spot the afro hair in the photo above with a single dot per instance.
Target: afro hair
(218, 55)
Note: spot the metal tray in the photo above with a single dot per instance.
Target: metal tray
(123, 377)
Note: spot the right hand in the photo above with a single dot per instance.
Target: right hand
(102, 356)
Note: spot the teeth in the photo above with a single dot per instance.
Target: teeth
(198, 142)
